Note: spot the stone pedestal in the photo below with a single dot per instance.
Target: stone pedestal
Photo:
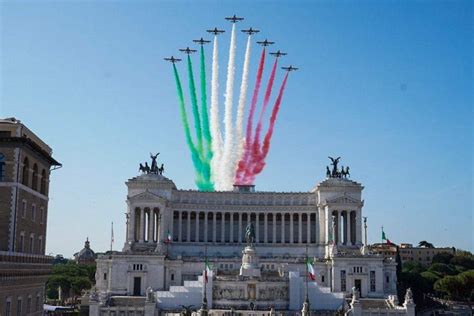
(249, 267)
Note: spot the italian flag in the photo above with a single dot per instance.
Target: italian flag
(385, 238)
(169, 238)
(207, 270)
(311, 273)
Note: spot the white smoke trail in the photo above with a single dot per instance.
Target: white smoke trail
(239, 141)
(227, 168)
(214, 120)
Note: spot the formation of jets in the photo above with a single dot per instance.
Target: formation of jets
(172, 59)
(216, 31)
(265, 43)
(278, 54)
(187, 50)
(250, 31)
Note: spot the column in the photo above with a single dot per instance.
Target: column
(291, 228)
(197, 227)
(358, 227)
(339, 227)
(300, 228)
(257, 228)
(188, 230)
(223, 227)
(349, 223)
(274, 228)
(131, 225)
(150, 226)
(265, 229)
(231, 227)
(282, 228)
(171, 227)
(308, 227)
(205, 227)
(214, 225)
(142, 224)
(180, 224)
(240, 227)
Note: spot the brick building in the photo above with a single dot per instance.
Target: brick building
(25, 166)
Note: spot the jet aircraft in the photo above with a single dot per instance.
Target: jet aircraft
(278, 54)
(290, 68)
(234, 19)
(187, 50)
(265, 43)
(172, 59)
(215, 31)
(250, 31)
(201, 41)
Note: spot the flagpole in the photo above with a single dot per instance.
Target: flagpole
(306, 309)
(307, 272)
(203, 311)
(382, 235)
(112, 236)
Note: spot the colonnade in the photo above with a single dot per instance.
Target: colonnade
(229, 227)
(345, 227)
(146, 224)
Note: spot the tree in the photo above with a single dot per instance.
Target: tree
(442, 257)
(425, 244)
(72, 277)
(449, 286)
(463, 260)
(443, 269)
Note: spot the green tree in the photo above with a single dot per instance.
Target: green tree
(442, 257)
(425, 244)
(443, 269)
(449, 286)
(463, 260)
(72, 277)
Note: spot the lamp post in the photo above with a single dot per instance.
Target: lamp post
(203, 311)
(305, 311)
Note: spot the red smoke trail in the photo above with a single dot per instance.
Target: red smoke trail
(259, 161)
(268, 92)
(248, 139)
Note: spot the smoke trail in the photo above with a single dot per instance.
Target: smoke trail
(268, 92)
(187, 133)
(260, 163)
(205, 117)
(214, 118)
(197, 120)
(226, 160)
(248, 139)
(239, 142)
(207, 149)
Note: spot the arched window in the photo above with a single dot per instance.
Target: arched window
(34, 185)
(26, 171)
(2, 167)
(43, 182)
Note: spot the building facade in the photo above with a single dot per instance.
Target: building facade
(422, 255)
(170, 232)
(25, 166)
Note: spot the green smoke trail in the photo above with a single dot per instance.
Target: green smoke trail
(184, 118)
(205, 117)
(207, 151)
(197, 119)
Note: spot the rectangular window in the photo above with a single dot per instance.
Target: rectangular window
(32, 244)
(40, 244)
(18, 307)
(172, 276)
(33, 212)
(105, 276)
(322, 278)
(8, 308)
(372, 281)
(22, 242)
(343, 280)
(23, 209)
(42, 215)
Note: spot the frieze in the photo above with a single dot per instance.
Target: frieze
(244, 209)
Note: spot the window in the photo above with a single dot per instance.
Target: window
(2, 167)
(387, 278)
(40, 244)
(43, 182)
(28, 305)
(34, 184)
(37, 304)
(343, 280)
(172, 276)
(8, 307)
(32, 243)
(23, 208)
(105, 276)
(42, 215)
(372, 281)
(18, 307)
(33, 212)
(322, 278)
(22, 241)
(26, 172)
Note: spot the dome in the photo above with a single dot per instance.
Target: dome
(86, 255)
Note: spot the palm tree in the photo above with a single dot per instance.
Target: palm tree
(425, 244)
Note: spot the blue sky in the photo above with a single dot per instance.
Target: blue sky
(387, 85)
